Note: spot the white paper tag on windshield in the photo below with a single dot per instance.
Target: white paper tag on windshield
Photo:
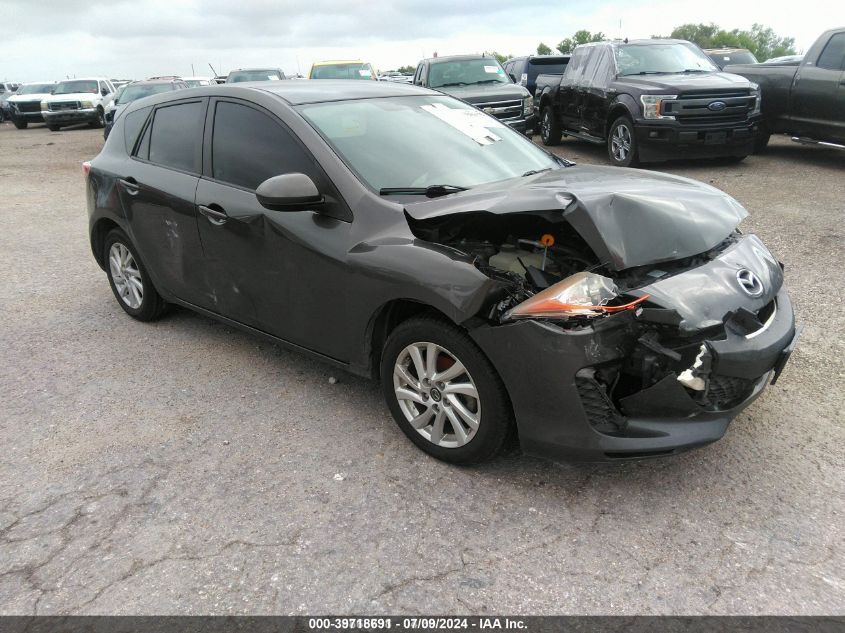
(473, 123)
(365, 73)
(491, 69)
(273, 77)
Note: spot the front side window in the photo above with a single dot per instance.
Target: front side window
(422, 141)
(248, 147)
(466, 72)
(71, 87)
(833, 55)
(656, 59)
(176, 136)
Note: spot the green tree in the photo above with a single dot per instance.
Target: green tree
(581, 37)
(760, 40)
(407, 70)
(499, 56)
(542, 49)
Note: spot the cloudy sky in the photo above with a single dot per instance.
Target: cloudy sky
(52, 39)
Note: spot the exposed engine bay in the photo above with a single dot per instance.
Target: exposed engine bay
(659, 353)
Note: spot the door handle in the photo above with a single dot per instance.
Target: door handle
(130, 186)
(215, 216)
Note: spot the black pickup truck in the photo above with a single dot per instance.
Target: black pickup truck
(649, 100)
(806, 101)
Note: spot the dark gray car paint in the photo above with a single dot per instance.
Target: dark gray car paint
(367, 263)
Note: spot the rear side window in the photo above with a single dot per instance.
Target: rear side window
(248, 147)
(132, 124)
(833, 55)
(176, 136)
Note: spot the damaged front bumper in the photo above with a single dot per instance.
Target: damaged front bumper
(569, 409)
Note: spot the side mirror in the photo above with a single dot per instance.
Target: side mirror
(104, 92)
(288, 192)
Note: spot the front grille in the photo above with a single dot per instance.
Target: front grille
(723, 392)
(692, 107)
(502, 109)
(597, 404)
(28, 106)
(61, 106)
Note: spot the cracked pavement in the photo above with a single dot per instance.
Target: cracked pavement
(183, 467)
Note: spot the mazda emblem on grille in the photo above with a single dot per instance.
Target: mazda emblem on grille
(749, 282)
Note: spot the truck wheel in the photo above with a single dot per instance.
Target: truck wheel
(761, 142)
(622, 144)
(54, 128)
(101, 119)
(550, 132)
(21, 125)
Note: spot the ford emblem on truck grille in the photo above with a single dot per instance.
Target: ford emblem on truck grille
(749, 282)
(717, 106)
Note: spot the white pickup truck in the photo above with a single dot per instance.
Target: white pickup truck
(25, 105)
(76, 101)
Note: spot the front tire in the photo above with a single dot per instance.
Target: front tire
(443, 392)
(54, 128)
(622, 148)
(761, 142)
(20, 124)
(129, 279)
(550, 131)
(101, 119)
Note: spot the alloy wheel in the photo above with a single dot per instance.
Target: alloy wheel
(126, 276)
(620, 143)
(437, 395)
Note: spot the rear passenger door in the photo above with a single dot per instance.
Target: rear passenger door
(158, 192)
(283, 273)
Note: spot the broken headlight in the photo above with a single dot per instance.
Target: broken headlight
(581, 294)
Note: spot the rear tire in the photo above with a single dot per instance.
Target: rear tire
(53, 128)
(437, 410)
(129, 280)
(622, 149)
(550, 131)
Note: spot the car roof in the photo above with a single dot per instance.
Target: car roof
(459, 58)
(254, 70)
(154, 82)
(330, 62)
(301, 92)
(86, 79)
(32, 83)
(726, 50)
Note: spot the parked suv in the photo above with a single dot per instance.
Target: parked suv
(649, 100)
(25, 104)
(481, 81)
(77, 101)
(524, 70)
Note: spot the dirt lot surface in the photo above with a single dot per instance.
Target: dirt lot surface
(184, 467)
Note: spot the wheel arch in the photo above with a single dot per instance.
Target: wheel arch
(99, 230)
(618, 108)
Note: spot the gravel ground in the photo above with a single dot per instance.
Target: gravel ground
(184, 467)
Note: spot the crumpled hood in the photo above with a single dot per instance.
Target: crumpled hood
(629, 217)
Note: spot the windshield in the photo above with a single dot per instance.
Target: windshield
(132, 93)
(342, 71)
(639, 59)
(466, 72)
(70, 87)
(423, 141)
(536, 67)
(735, 57)
(33, 89)
(193, 83)
(253, 75)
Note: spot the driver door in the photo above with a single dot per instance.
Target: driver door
(283, 273)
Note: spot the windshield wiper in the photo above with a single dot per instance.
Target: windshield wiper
(432, 191)
(490, 81)
(697, 70)
(455, 83)
(531, 172)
